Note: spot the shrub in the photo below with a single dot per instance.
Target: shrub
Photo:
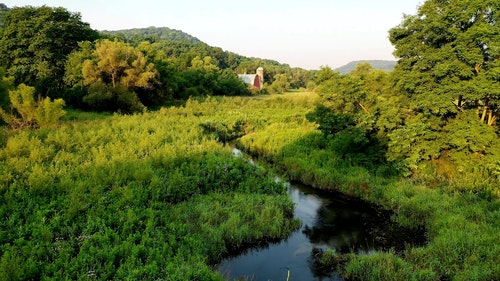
(26, 112)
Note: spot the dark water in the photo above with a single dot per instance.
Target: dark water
(329, 221)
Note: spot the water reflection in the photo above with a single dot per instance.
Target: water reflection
(329, 221)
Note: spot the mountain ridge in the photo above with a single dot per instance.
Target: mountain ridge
(154, 33)
(386, 65)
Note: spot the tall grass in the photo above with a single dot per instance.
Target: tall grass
(463, 228)
(154, 196)
(146, 196)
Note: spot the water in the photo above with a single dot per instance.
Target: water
(329, 221)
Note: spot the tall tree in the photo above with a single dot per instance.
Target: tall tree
(116, 62)
(116, 73)
(450, 58)
(36, 42)
(448, 75)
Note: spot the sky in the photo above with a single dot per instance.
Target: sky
(302, 33)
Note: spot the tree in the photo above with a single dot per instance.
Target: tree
(325, 73)
(280, 85)
(3, 10)
(116, 62)
(36, 42)
(448, 81)
(115, 73)
(450, 58)
(350, 111)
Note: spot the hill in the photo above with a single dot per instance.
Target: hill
(153, 34)
(387, 65)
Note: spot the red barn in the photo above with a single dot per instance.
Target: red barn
(257, 79)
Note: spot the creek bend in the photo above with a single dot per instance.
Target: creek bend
(328, 221)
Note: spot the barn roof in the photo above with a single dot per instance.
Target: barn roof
(247, 78)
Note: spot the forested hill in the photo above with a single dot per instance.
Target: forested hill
(153, 34)
(387, 65)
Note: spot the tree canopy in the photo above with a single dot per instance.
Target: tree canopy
(450, 58)
(448, 76)
(36, 41)
(115, 75)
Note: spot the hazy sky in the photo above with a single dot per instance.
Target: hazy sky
(301, 33)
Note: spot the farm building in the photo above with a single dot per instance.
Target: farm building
(256, 79)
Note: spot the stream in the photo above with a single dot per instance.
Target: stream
(328, 221)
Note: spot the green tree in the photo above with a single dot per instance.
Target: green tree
(74, 64)
(116, 62)
(449, 58)
(449, 70)
(204, 64)
(3, 10)
(36, 42)
(115, 74)
(281, 84)
(325, 73)
(350, 113)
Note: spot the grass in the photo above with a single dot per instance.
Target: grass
(153, 196)
(463, 228)
(145, 196)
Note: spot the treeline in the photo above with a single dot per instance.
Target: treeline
(52, 50)
(152, 34)
(434, 118)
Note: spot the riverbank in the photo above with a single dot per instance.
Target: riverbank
(463, 228)
(157, 196)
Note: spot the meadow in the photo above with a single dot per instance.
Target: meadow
(145, 196)
(159, 195)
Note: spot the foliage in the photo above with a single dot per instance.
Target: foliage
(223, 132)
(115, 64)
(114, 72)
(153, 195)
(449, 50)
(181, 53)
(448, 91)
(462, 227)
(29, 113)
(349, 114)
(5, 85)
(166, 63)
(36, 41)
(280, 84)
(204, 78)
(144, 196)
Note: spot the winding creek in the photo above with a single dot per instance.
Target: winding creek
(329, 221)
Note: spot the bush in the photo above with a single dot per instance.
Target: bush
(105, 98)
(26, 112)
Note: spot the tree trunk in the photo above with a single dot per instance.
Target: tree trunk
(485, 111)
(491, 118)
